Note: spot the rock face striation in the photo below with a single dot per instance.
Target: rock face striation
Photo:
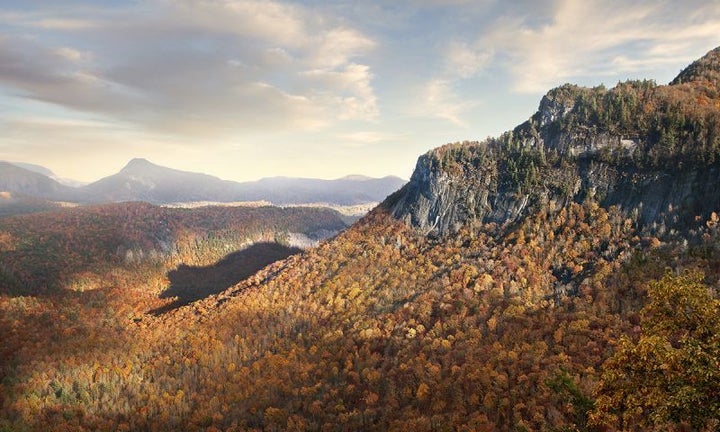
(653, 151)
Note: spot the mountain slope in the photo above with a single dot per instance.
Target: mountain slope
(48, 173)
(653, 150)
(14, 204)
(44, 253)
(141, 180)
(35, 168)
(26, 182)
(704, 71)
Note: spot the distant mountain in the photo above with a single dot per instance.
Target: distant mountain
(35, 168)
(23, 181)
(348, 190)
(141, 180)
(49, 173)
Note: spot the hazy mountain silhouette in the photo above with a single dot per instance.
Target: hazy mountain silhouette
(23, 181)
(142, 180)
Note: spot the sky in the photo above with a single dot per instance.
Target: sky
(244, 89)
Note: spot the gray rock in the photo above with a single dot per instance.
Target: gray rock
(438, 202)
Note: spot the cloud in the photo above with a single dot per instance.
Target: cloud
(338, 45)
(73, 54)
(281, 23)
(362, 139)
(49, 139)
(441, 101)
(208, 68)
(443, 3)
(594, 37)
(64, 24)
(57, 75)
(464, 61)
(349, 90)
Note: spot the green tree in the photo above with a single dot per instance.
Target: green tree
(671, 373)
(563, 385)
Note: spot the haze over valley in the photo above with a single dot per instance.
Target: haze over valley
(141, 180)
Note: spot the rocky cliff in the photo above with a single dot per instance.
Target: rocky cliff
(652, 150)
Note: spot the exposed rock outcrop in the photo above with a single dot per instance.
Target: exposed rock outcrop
(651, 150)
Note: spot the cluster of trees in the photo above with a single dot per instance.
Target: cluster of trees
(674, 126)
(671, 127)
(668, 374)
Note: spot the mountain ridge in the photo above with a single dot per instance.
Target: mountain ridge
(652, 150)
(143, 180)
(23, 181)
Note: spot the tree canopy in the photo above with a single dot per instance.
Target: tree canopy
(671, 372)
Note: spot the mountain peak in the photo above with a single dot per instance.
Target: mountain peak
(355, 177)
(704, 70)
(138, 163)
(617, 147)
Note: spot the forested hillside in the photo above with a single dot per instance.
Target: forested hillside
(380, 329)
(68, 249)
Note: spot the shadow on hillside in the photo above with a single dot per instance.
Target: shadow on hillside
(190, 283)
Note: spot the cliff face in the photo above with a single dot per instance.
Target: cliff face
(437, 202)
(651, 150)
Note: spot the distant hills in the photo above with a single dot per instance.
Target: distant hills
(142, 180)
(26, 182)
(349, 190)
(49, 173)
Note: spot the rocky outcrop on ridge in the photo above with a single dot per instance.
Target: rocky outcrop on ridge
(652, 150)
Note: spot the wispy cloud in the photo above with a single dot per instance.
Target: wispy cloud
(465, 61)
(347, 90)
(73, 54)
(365, 138)
(593, 37)
(442, 101)
(63, 24)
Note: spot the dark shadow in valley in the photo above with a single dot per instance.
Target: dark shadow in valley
(191, 283)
